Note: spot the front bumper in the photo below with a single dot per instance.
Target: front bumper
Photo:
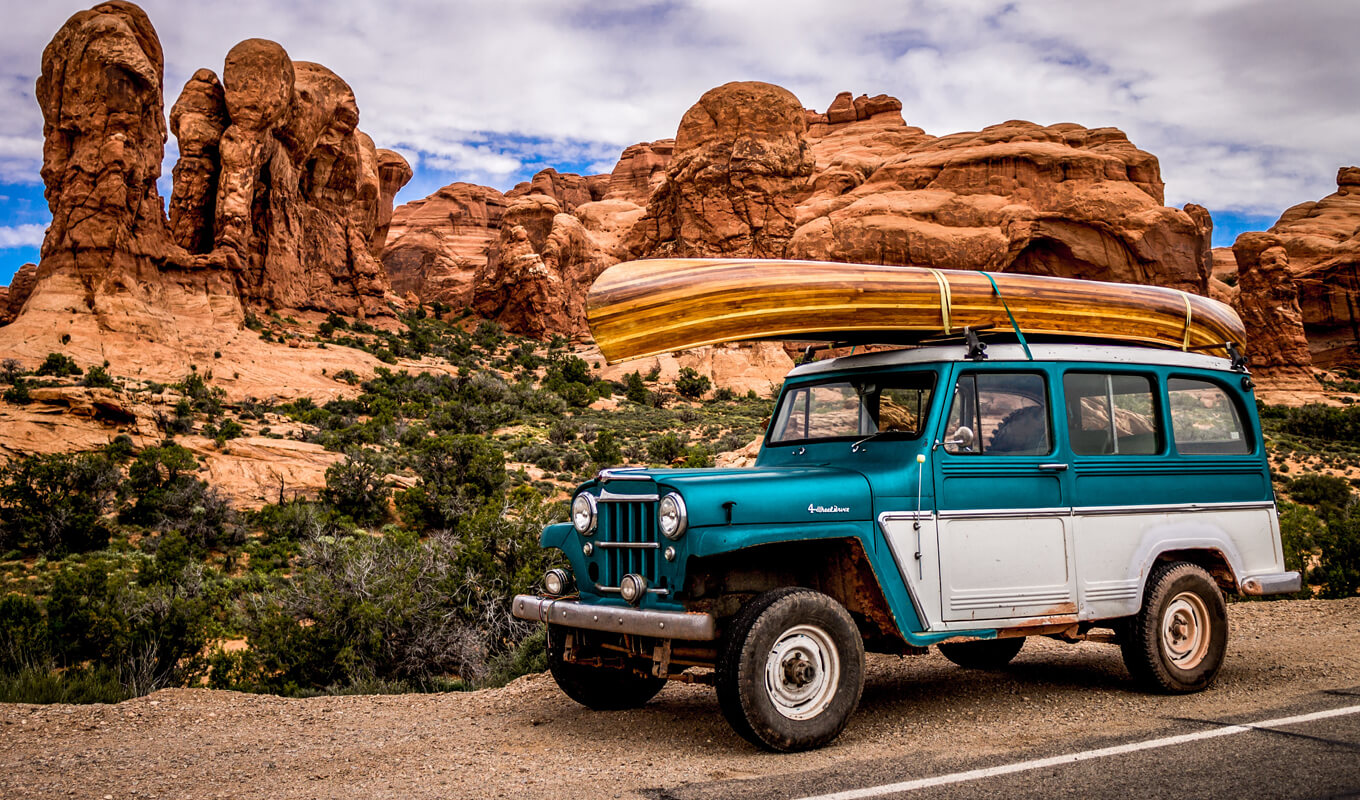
(690, 626)
(1279, 583)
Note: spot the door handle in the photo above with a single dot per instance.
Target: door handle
(1053, 467)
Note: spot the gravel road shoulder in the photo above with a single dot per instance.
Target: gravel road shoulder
(528, 740)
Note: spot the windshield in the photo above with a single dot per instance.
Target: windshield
(854, 407)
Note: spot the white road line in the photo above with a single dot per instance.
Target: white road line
(1073, 758)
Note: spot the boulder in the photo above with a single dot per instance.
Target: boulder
(641, 168)
(1322, 240)
(436, 246)
(1268, 302)
(16, 294)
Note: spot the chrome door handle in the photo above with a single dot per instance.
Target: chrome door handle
(1054, 467)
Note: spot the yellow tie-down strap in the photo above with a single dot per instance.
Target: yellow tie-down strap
(946, 298)
(1189, 314)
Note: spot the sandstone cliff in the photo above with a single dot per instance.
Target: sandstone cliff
(278, 201)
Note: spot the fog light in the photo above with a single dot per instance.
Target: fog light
(583, 513)
(557, 582)
(632, 588)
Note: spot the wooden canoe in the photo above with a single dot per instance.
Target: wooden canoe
(645, 308)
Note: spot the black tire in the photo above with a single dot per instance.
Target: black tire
(1175, 644)
(598, 688)
(983, 654)
(790, 670)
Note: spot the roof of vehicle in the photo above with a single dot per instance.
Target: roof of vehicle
(1088, 353)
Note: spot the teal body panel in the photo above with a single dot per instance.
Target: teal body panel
(779, 499)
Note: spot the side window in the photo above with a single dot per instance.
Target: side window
(1204, 419)
(1109, 414)
(999, 413)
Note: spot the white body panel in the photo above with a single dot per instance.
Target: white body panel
(978, 571)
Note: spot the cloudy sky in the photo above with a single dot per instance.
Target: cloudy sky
(1251, 105)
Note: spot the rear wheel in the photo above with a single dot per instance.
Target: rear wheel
(1176, 642)
(598, 688)
(983, 654)
(790, 670)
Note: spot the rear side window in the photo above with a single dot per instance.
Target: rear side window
(1000, 413)
(1111, 414)
(1204, 418)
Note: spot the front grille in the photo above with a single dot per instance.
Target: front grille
(628, 523)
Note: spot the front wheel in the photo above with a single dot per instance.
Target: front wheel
(598, 688)
(790, 670)
(1175, 644)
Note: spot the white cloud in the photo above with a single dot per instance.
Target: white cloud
(12, 236)
(1249, 104)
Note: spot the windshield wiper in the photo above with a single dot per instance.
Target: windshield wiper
(855, 448)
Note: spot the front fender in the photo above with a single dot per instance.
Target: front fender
(711, 541)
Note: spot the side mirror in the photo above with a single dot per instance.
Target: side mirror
(962, 439)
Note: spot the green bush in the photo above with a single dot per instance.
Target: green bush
(691, 384)
(18, 393)
(97, 377)
(58, 366)
(55, 504)
(634, 389)
(458, 475)
(1338, 570)
(665, 448)
(1327, 492)
(169, 497)
(358, 487)
(605, 450)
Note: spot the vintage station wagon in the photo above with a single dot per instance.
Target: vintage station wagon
(941, 495)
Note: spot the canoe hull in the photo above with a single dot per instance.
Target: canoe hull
(645, 308)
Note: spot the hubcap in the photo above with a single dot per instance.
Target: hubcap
(802, 672)
(1185, 630)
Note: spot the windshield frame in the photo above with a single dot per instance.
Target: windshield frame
(926, 379)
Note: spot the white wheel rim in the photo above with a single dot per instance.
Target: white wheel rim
(802, 672)
(1185, 630)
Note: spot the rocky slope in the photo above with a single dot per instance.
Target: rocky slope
(279, 202)
(751, 173)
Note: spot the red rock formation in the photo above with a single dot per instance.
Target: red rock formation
(641, 168)
(436, 246)
(1268, 302)
(544, 263)
(1323, 242)
(741, 156)
(17, 293)
(568, 189)
(104, 134)
(277, 199)
(393, 173)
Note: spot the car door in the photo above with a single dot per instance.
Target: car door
(1003, 500)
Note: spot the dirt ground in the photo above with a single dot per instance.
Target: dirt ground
(529, 741)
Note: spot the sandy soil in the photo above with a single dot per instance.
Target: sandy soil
(528, 740)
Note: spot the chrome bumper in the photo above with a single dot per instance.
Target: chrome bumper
(636, 621)
(1280, 583)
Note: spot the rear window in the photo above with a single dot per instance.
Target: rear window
(1109, 414)
(1204, 418)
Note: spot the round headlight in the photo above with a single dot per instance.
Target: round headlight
(671, 516)
(632, 588)
(583, 514)
(557, 581)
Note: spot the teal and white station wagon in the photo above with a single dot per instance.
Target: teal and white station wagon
(945, 495)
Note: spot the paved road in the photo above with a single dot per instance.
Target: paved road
(1310, 749)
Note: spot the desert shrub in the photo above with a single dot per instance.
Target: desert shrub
(229, 429)
(18, 393)
(1338, 569)
(358, 487)
(58, 366)
(665, 448)
(10, 370)
(561, 431)
(634, 389)
(23, 634)
(55, 504)
(691, 384)
(458, 475)
(698, 455)
(1327, 492)
(152, 635)
(605, 450)
(97, 377)
(396, 609)
(724, 394)
(169, 497)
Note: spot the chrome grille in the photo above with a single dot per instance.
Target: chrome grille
(628, 537)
